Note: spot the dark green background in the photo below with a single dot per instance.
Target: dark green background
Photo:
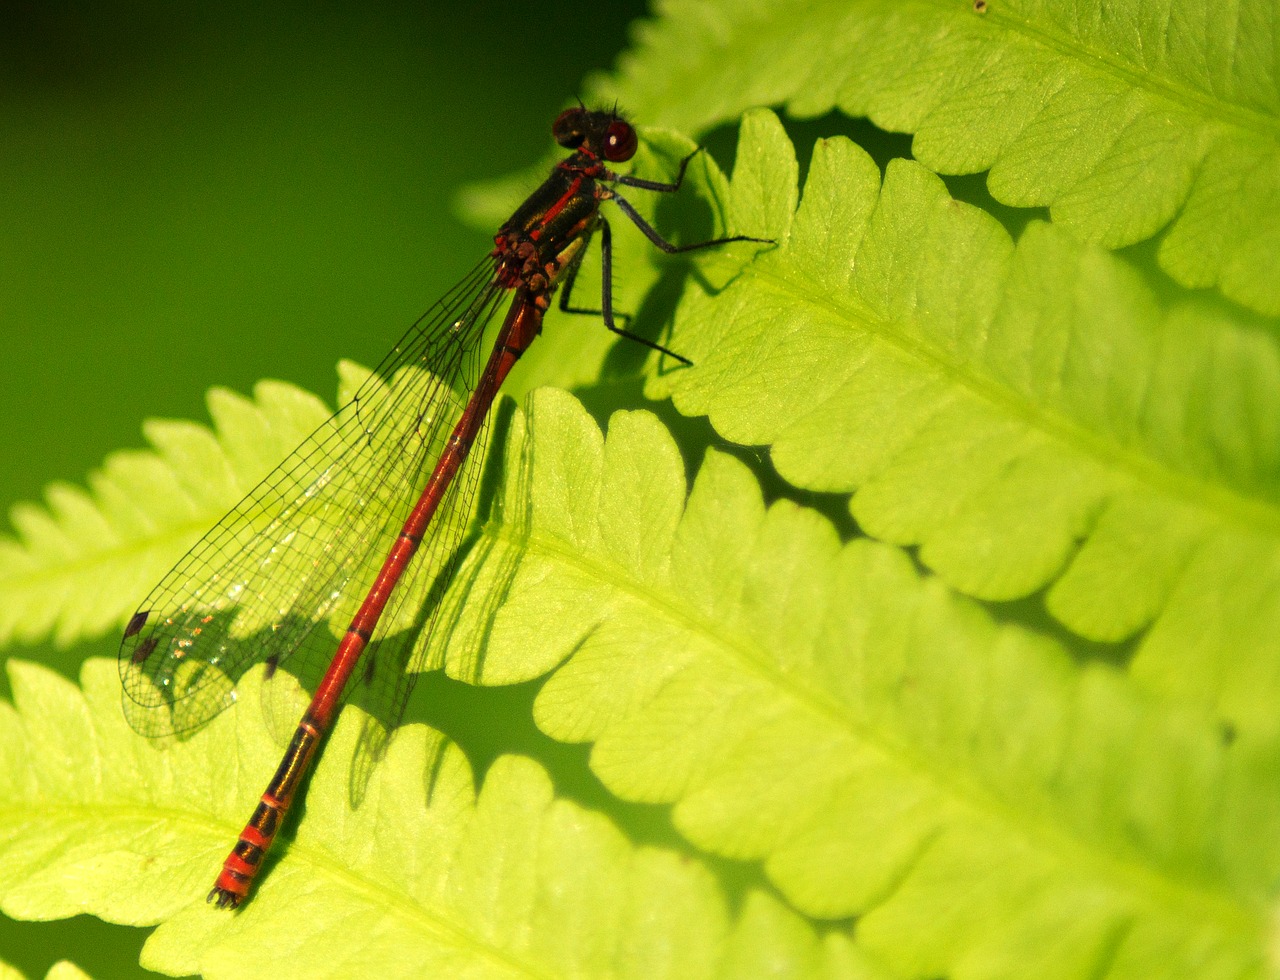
(196, 195)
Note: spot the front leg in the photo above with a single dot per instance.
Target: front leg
(656, 185)
(606, 295)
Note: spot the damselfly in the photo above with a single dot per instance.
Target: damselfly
(372, 506)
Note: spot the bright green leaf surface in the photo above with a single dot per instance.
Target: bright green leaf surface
(81, 565)
(882, 747)
(1027, 414)
(1122, 118)
(980, 803)
(62, 970)
(424, 879)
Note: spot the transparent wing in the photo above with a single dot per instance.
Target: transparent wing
(393, 660)
(300, 551)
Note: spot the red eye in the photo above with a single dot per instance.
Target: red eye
(619, 141)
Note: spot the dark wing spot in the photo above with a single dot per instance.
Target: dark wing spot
(138, 621)
(144, 648)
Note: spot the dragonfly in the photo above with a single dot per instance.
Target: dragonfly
(365, 518)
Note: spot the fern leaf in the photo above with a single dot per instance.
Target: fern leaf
(1121, 118)
(977, 801)
(876, 742)
(62, 970)
(80, 564)
(424, 879)
(1028, 414)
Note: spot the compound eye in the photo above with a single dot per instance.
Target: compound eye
(619, 141)
(567, 129)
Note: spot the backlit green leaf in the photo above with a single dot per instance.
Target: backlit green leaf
(1124, 119)
(425, 878)
(1027, 414)
(980, 803)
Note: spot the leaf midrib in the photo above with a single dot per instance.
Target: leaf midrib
(1177, 898)
(1255, 515)
(1198, 103)
(1160, 86)
(81, 815)
(1202, 105)
(128, 552)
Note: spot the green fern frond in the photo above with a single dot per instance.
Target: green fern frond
(878, 744)
(1121, 118)
(424, 879)
(62, 970)
(66, 970)
(1028, 414)
(80, 564)
(977, 801)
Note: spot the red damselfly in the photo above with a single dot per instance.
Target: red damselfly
(373, 505)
